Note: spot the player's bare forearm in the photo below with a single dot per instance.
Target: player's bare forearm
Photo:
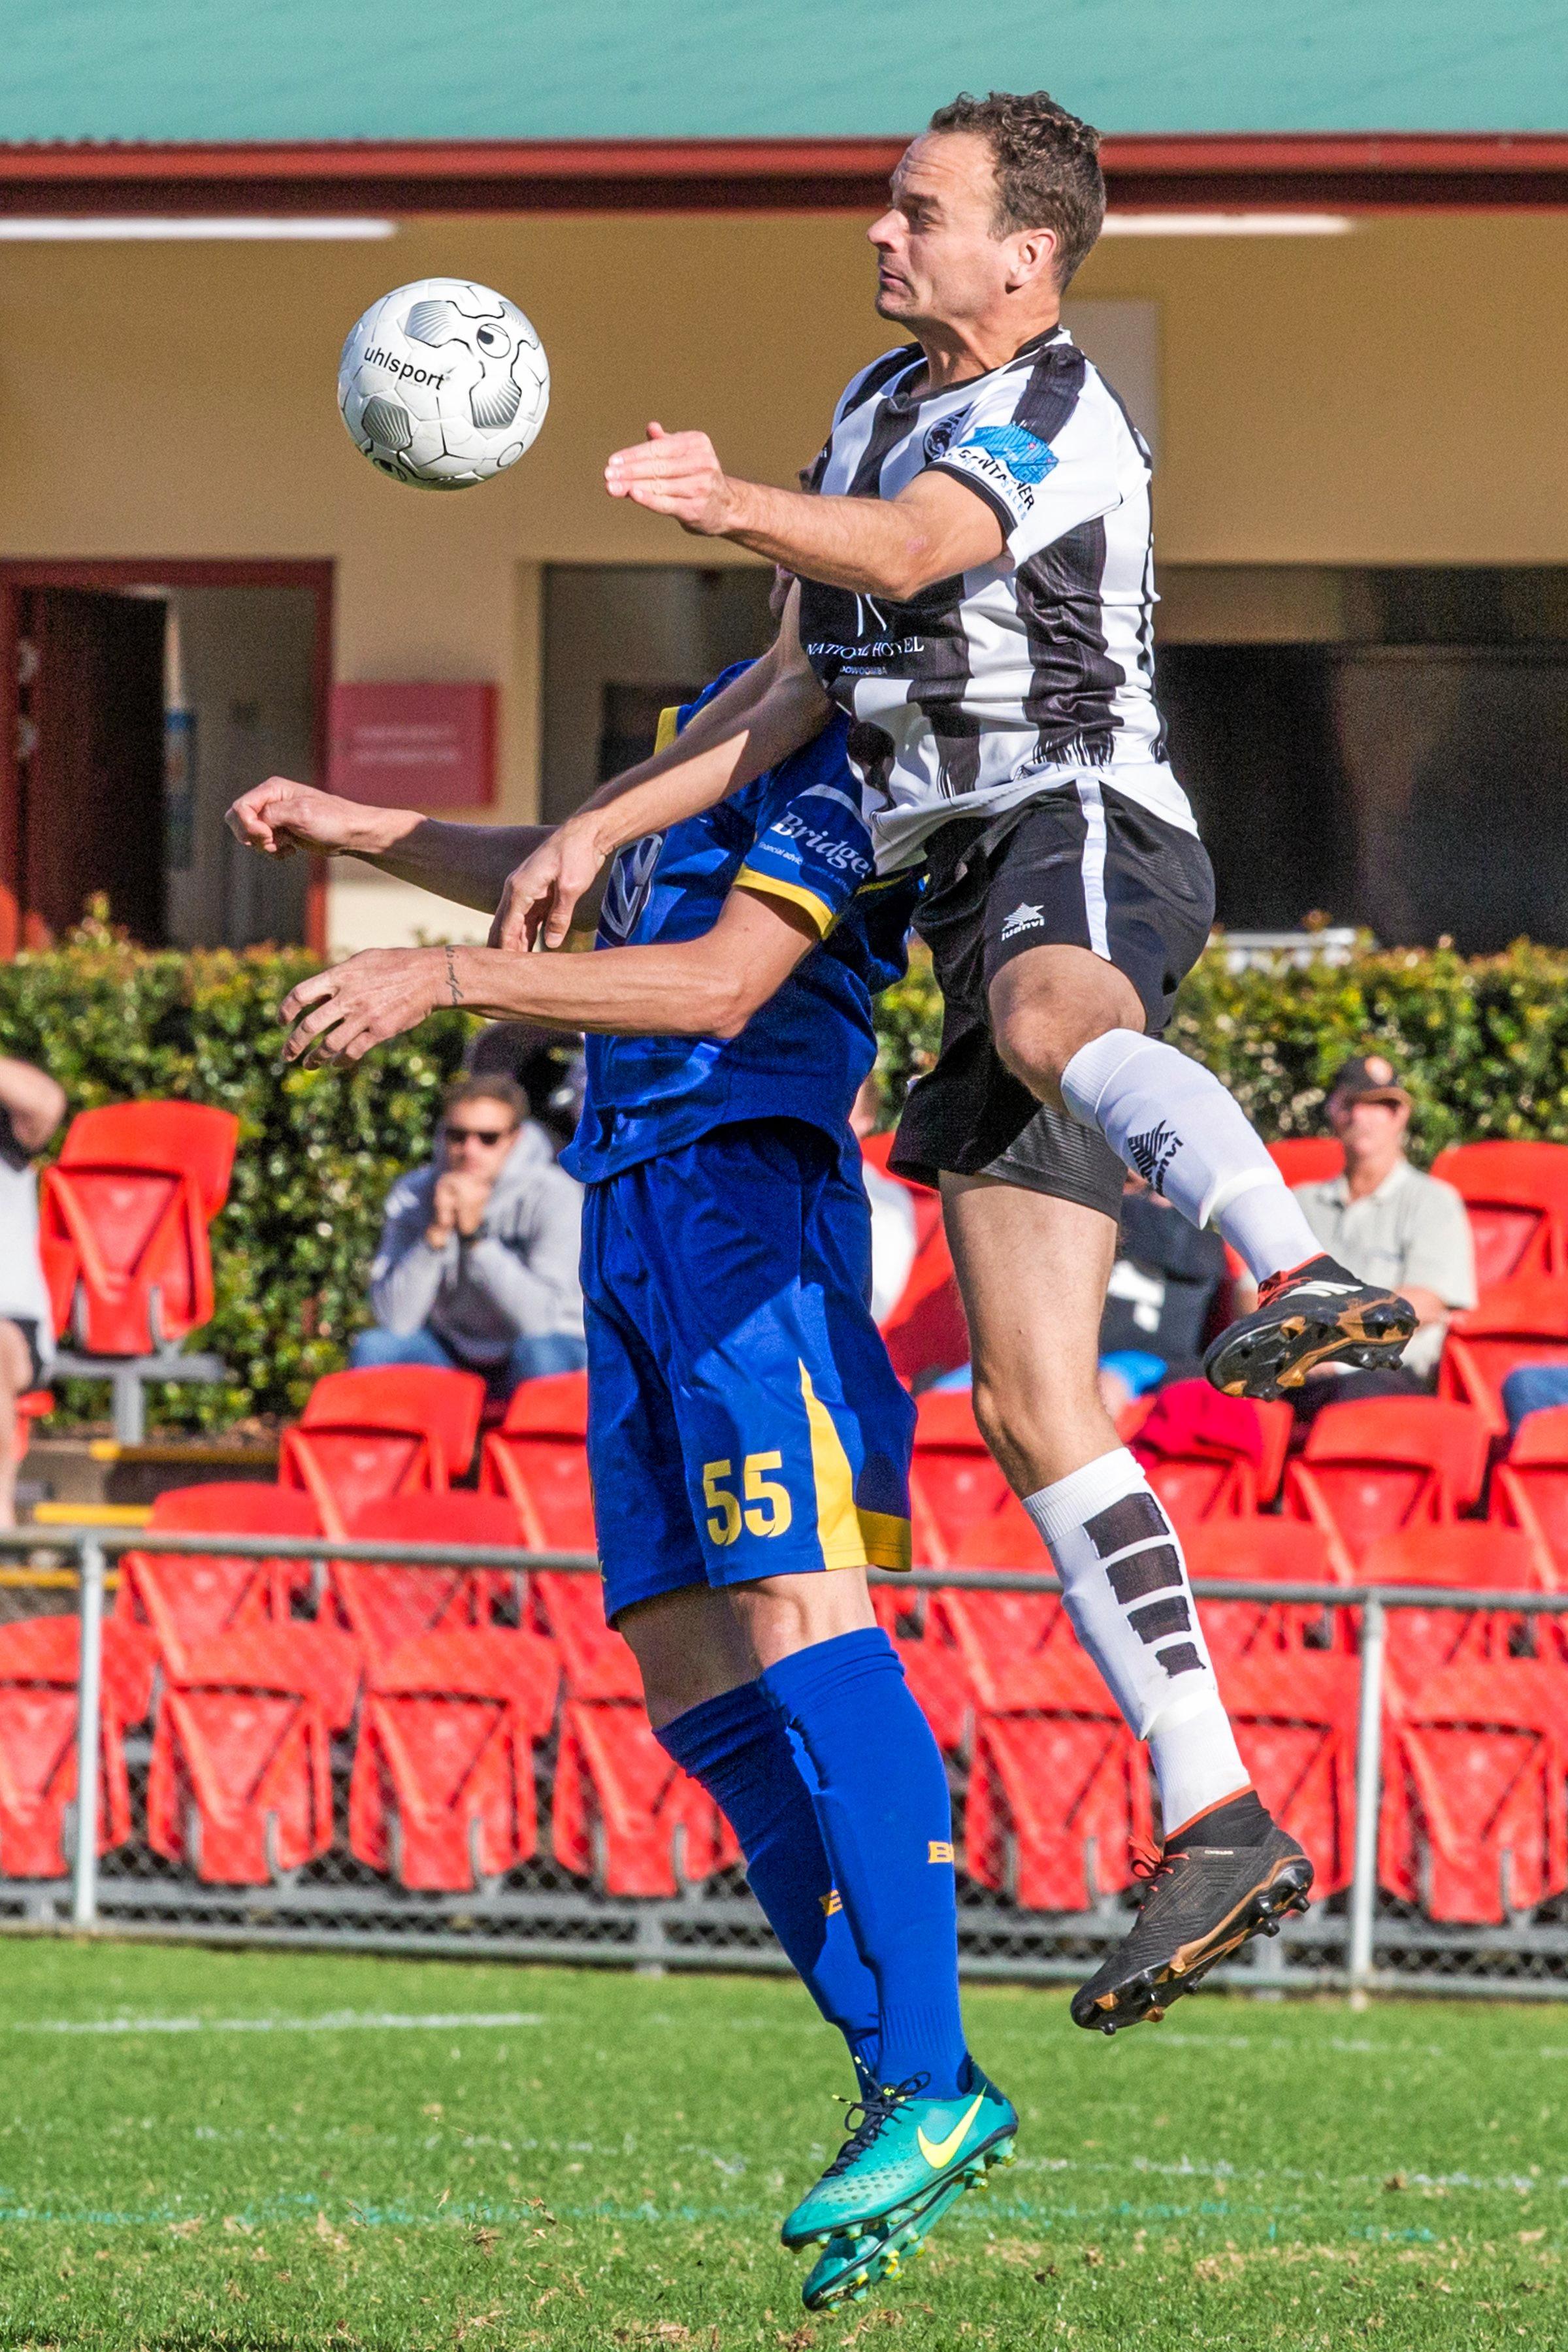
(465, 863)
(933, 528)
(708, 987)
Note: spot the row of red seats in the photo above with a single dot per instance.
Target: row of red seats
(447, 1700)
(442, 1789)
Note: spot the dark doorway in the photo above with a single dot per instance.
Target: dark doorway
(1419, 790)
(89, 759)
(136, 698)
(622, 641)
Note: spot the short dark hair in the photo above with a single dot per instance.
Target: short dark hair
(499, 1089)
(1047, 167)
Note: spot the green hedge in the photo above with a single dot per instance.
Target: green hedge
(317, 1150)
(1482, 1044)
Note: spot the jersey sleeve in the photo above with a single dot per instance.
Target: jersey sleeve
(1044, 461)
(813, 847)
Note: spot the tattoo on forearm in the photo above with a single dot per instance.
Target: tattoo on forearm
(452, 979)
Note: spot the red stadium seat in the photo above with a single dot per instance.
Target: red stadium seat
(1472, 1825)
(39, 1784)
(1295, 1717)
(1516, 1194)
(956, 1489)
(1265, 1551)
(123, 1216)
(925, 1330)
(1530, 1489)
(935, 1670)
(537, 1459)
(624, 1814)
(394, 1429)
(1520, 1322)
(1001, 1639)
(1466, 1553)
(1058, 1797)
(386, 1603)
(442, 1793)
(594, 1659)
(33, 1404)
(184, 1598)
(1370, 1469)
(239, 1785)
(1210, 1456)
(1308, 1158)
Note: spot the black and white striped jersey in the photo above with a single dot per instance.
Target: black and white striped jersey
(988, 690)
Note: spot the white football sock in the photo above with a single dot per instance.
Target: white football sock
(1167, 1116)
(1124, 1583)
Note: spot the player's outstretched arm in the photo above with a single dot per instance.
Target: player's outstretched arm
(466, 863)
(934, 529)
(698, 988)
(759, 719)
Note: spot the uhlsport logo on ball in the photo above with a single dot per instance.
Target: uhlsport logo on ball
(443, 384)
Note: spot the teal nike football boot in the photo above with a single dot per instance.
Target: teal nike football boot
(905, 2146)
(854, 2260)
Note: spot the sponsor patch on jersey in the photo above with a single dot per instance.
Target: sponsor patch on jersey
(1026, 456)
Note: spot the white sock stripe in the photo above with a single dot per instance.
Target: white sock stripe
(1246, 1181)
(1093, 806)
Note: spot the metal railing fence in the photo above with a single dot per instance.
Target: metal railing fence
(1352, 1942)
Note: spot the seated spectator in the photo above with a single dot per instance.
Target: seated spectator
(31, 1106)
(478, 1263)
(1534, 1388)
(1388, 1223)
(893, 1236)
(1162, 1288)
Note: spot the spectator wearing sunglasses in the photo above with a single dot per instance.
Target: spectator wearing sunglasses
(478, 1263)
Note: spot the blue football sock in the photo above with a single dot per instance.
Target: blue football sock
(887, 1821)
(740, 1751)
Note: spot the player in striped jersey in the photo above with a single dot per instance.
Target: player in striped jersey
(976, 597)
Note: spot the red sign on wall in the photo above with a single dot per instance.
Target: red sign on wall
(424, 746)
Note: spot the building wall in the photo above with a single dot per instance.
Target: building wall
(1389, 396)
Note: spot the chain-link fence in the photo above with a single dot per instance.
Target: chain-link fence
(442, 1748)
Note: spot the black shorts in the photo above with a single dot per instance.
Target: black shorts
(1083, 867)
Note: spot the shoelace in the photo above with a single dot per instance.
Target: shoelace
(1152, 1865)
(876, 2111)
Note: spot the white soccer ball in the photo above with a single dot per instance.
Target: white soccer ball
(443, 384)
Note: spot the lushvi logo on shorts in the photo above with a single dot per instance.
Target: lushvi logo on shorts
(1152, 1153)
(1023, 918)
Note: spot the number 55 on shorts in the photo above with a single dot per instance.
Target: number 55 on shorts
(763, 1507)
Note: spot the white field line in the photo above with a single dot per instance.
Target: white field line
(338, 2020)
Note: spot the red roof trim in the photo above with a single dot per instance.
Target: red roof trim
(1375, 171)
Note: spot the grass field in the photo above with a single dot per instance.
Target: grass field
(259, 2150)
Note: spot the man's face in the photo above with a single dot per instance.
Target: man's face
(477, 1136)
(1368, 1129)
(938, 257)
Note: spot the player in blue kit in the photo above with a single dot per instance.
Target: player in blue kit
(748, 1440)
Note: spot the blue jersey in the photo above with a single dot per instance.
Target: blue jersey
(797, 833)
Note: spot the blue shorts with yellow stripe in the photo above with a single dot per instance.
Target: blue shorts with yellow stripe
(744, 1419)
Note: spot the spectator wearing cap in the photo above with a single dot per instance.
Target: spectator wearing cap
(1388, 1223)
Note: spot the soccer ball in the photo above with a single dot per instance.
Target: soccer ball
(443, 384)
